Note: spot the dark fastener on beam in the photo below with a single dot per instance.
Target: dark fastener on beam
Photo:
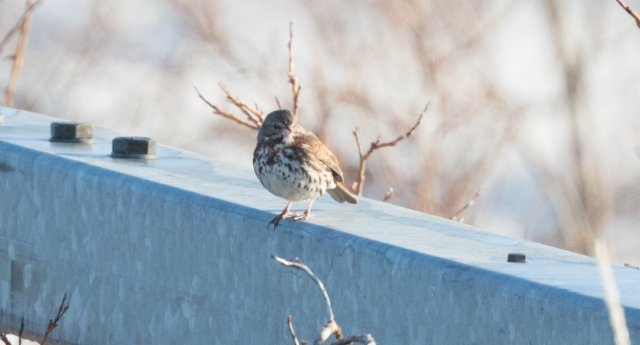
(516, 257)
(134, 148)
(71, 132)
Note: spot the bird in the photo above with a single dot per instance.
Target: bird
(292, 163)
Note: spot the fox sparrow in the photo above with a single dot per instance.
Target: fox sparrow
(292, 163)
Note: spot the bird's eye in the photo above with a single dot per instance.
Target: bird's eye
(274, 126)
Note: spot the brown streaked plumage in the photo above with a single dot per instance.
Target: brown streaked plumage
(292, 163)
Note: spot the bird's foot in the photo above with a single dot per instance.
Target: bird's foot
(302, 216)
(276, 220)
(292, 217)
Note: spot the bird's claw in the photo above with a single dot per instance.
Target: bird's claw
(275, 221)
(299, 216)
(292, 217)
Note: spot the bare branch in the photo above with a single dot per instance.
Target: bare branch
(388, 195)
(19, 56)
(375, 145)
(378, 145)
(293, 333)
(15, 28)
(4, 339)
(54, 323)
(329, 329)
(630, 11)
(611, 295)
(256, 107)
(293, 78)
(355, 134)
(278, 103)
(295, 263)
(456, 216)
(21, 330)
(218, 111)
(366, 339)
(254, 115)
(358, 185)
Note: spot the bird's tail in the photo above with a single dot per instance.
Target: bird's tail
(341, 194)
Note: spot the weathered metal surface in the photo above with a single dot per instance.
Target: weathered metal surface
(177, 251)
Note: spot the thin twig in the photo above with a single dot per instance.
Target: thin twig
(21, 330)
(365, 339)
(293, 333)
(295, 263)
(4, 339)
(630, 11)
(218, 111)
(19, 56)
(257, 109)
(375, 145)
(254, 115)
(54, 323)
(611, 295)
(15, 28)
(293, 78)
(331, 327)
(456, 216)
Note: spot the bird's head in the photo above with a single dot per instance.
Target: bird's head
(278, 124)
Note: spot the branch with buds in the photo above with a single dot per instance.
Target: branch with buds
(331, 327)
(456, 217)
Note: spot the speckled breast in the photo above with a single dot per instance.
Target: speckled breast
(288, 172)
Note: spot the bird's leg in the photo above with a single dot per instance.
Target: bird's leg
(281, 216)
(306, 215)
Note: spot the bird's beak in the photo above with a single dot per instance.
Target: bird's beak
(286, 131)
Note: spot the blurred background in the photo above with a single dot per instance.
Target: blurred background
(537, 102)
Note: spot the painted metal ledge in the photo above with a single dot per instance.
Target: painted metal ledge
(177, 250)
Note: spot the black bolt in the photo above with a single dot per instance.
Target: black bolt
(516, 257)
(134, 148)
(71, 132)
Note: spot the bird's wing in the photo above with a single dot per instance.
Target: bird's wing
(322, 153)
